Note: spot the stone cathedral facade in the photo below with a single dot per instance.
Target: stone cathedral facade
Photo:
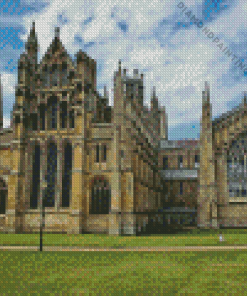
(111, 169)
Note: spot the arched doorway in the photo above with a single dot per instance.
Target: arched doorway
(100, 197)
(3, 196)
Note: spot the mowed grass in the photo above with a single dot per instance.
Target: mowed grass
(193, 238)
(123, 273)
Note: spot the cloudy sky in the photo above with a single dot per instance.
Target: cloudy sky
(176, 53)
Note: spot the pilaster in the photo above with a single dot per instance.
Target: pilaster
(58, 195)
(114, 215)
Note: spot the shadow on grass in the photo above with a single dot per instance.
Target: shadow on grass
(173, 230)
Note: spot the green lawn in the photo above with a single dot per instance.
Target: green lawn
(123, 273)
(193, 238)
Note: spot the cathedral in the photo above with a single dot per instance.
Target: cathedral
(95, 168)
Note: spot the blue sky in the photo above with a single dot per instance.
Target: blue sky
(156, 37)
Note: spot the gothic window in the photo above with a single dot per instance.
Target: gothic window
(35, 178)
(64, 115)
(67, 173)
(100, 200)
(45, 77)
(34, 121)
(181, 188)
(71, 119)
(180, 161)
(55, 74)
(53, 113)
(64, 73)
(165, 163)
(236, 167)
(3, 197)
(49, 200)
(42, 117)
(97, 152)
(197, 160)
(104, 154)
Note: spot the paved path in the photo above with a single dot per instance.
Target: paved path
(121, 249)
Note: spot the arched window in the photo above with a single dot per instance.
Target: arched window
(100, 197)
(49, 200)
(3, 197)
(45, 77)
(35, 178)
(237, 167)
(53, 113)
(71, 119)
(67, 174)
(55, 74)
(42, 117)
(64, 74)
(64, 115)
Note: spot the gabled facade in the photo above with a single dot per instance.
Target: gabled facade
(94, 166)
(104, 169)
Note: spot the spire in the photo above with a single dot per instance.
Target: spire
(105, 91)
(207, 92)
(119, 66)
(1, 105)
(245, 99)
(154, 92)
(57, 32)
(154, 99)
(32, 36)
(32, 44)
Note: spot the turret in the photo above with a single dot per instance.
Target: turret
(32, 46)
(163, 123)
(154, 101)
(86, 69)
(207, 194)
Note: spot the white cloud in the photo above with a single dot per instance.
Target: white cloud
(176, 61)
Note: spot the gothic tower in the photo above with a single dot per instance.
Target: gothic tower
(26, 70)
(207, 208)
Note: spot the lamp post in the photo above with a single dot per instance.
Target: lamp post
(42, 213)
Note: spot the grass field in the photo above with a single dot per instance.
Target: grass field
(193, 238)
(123, 273)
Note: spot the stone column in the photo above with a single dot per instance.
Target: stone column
(78, 186)
(29, 172)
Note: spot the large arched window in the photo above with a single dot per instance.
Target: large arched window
(3, 197)
(55, 75)
(35, 178)
(45, 76)
(42, 116)
(53, 113)
(100, 197)
(63, 114)
(236, 167)
(49, 200)
(64, 74)
(67, 174)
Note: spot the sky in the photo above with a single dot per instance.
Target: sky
(175, 52)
